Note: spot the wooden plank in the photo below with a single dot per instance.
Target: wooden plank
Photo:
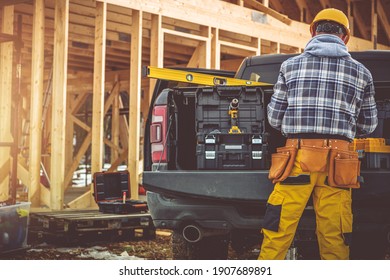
(69, 139)
(237, 51)
(76, 161)
(58, 130)
(36, 102)
(207, 48)
(4, 37)
(383, 18)
(80, 123)
(135, 101)
(265, 9)
(6, 76)
(215, 49)
(156, 49)
(118, 161)
(98, 92)
(221, 15)
(83, 201)
(13, 2)
(238, 46)
(24, 177)
(123, 126)
(115, 120)
(350, 17)
(185, 35)
(196, 58)
(374, 23)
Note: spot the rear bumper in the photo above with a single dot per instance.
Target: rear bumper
(175, 213)
(235, 186)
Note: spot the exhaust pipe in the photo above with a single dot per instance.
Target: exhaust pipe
(193, 233)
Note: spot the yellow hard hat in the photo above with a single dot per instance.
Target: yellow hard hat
(331, 14)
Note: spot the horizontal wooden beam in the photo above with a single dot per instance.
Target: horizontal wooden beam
(237, 46)
(4, 37)
(13, 2)
(185, 35)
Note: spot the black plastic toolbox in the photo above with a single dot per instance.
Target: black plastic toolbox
(112, 193)
(212, 110)
(219, 149)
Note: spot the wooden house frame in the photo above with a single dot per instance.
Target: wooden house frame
(59, 56)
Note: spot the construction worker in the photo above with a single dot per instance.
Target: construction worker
(322, 99)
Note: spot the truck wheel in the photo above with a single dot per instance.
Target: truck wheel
(208, 248)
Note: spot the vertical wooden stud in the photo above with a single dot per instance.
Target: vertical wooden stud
(98, 87)
(156, 49)
(207, 48)
(115, 121)
(6, 78)
(58, 129)
(215, 49)
(350, 17)
(135, 101)
(258, 52)
(374, 23)
(36, 101)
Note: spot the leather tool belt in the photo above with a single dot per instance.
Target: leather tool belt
(318, 155)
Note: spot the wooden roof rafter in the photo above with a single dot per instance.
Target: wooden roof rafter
(383, 18)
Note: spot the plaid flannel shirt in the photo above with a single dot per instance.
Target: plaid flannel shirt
(324, 95)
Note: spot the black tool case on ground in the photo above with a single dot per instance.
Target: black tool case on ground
(112, 193)
(216, 147)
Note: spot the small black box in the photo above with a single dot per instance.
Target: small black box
(112, 193)
(232, 152)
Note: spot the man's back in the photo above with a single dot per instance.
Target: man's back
(325, 89)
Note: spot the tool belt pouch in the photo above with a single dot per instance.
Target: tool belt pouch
(282, 163)
(314, 159)
(344, 169)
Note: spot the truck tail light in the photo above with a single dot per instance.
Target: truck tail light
(158, 133)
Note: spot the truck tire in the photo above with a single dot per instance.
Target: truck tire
(208, 248)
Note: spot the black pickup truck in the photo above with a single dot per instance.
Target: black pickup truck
(209, 184)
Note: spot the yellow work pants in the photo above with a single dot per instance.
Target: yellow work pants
(284, 210)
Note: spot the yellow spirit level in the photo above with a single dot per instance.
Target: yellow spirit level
(196, 78)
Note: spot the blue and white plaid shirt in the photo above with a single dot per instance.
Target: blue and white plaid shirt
(323, 91)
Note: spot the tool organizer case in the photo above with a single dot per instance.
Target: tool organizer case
(112, 193)
(212, 110)
(217, 148)
(374, 153)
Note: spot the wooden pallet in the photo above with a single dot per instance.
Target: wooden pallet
(88, 226)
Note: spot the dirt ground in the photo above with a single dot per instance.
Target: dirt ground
(158, 248)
